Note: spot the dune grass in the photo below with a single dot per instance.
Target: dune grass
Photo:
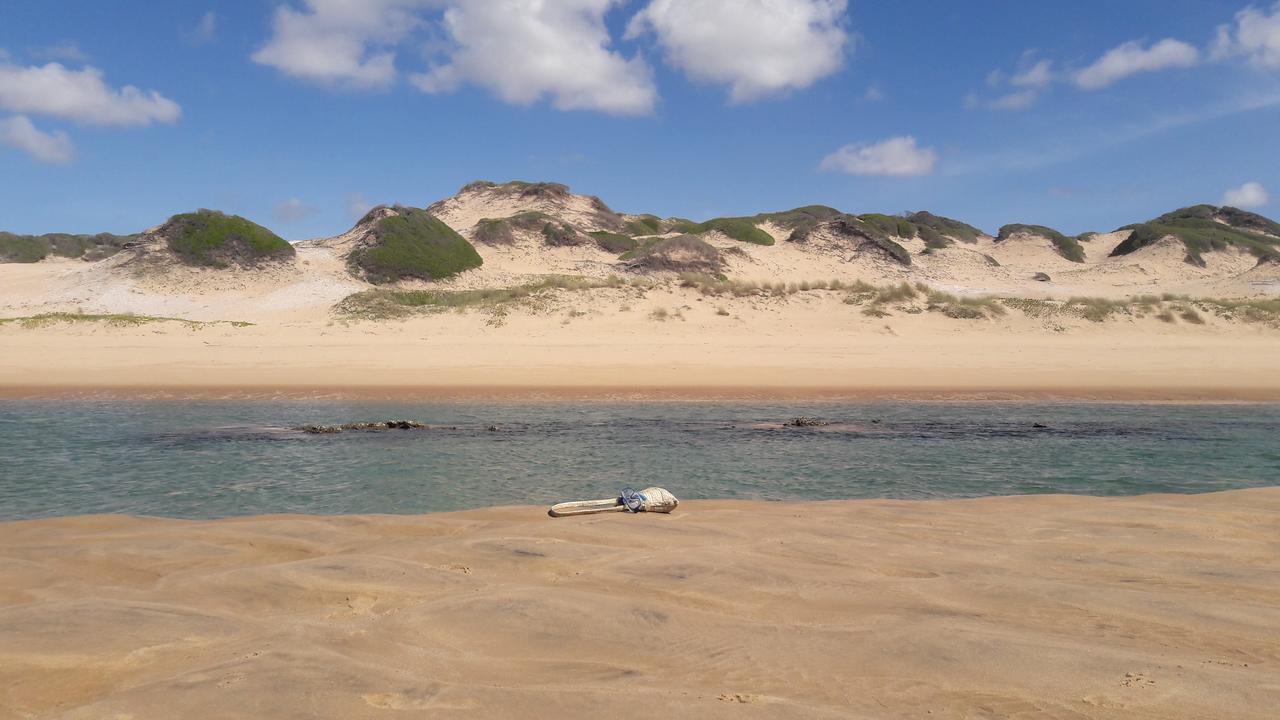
(387, 304)
(737, 228)
(111, 320)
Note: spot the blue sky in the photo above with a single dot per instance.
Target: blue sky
(297, 114)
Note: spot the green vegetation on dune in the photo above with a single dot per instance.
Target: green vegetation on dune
(34, 248)
(644, 225)
(614, 242)
(854, 227)
(935, 229)
(112, 320)
(889, 225)
(1067, 247)
(413, 244)
(799, 219)
(683, 253)
(389, 304)
(1202, 228)
(737, 228)
(214, 239)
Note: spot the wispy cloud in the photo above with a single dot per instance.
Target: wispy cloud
(204, 32)
(1043, 155)
(293, 210)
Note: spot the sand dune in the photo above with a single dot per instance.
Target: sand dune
(1023, 607)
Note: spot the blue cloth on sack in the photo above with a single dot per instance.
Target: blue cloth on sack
(632, 500)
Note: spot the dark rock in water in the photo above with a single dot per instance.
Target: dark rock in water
(1042, 277)
(384, 425)
(1040, 426)
(493, 428)
(805, 422)
(876, 421)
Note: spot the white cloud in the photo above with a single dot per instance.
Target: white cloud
(898, 156)
(205, 31)
(18, 132)
(524, 50)
(1131, 58)
(80, 95)
(1019, 100)
(1036, 76)
(293, 210)
(757, 47)
(1256, 36)
(874, 93)
(342, 42)
(1248, 195)
(356, 205)
(1021, 89)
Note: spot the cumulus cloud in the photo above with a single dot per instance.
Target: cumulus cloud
(1131, 58)
(80, 95)
(756, 47)
(1255, 35)
(897, 157)
(1248, 195)
(20, 133)
(356, 205)
(339, 42)
(524, 50)
(293, 210)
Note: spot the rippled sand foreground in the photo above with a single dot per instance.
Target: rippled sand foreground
(1045, 607)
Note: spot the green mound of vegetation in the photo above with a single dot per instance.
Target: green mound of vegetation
(936, 229)
(214, 239)
(856, 228)
(34, 248)
(614, 242)
(494, 232)
(683, 253)
(112, 320)
(799, 219)
(889, 225)
(561, 234)
(413, 244)
(528, 189)
(738, 228)
(1202, 228)
(645, 225)
(1067, 247)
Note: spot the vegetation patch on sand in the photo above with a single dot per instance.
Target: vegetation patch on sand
(413, 244)
(683, 253)
(1067, 247)
(34, 248)
(388, 304)
(875, 235)
(737, 228)
(1202, 228)
(214, 239)
(112, 320)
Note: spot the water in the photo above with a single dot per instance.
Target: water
(213, 459)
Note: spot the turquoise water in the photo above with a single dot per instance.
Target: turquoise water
(218, 458)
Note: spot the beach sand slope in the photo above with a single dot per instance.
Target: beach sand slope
(1045, 607)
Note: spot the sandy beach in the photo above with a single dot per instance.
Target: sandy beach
(1050, 606)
